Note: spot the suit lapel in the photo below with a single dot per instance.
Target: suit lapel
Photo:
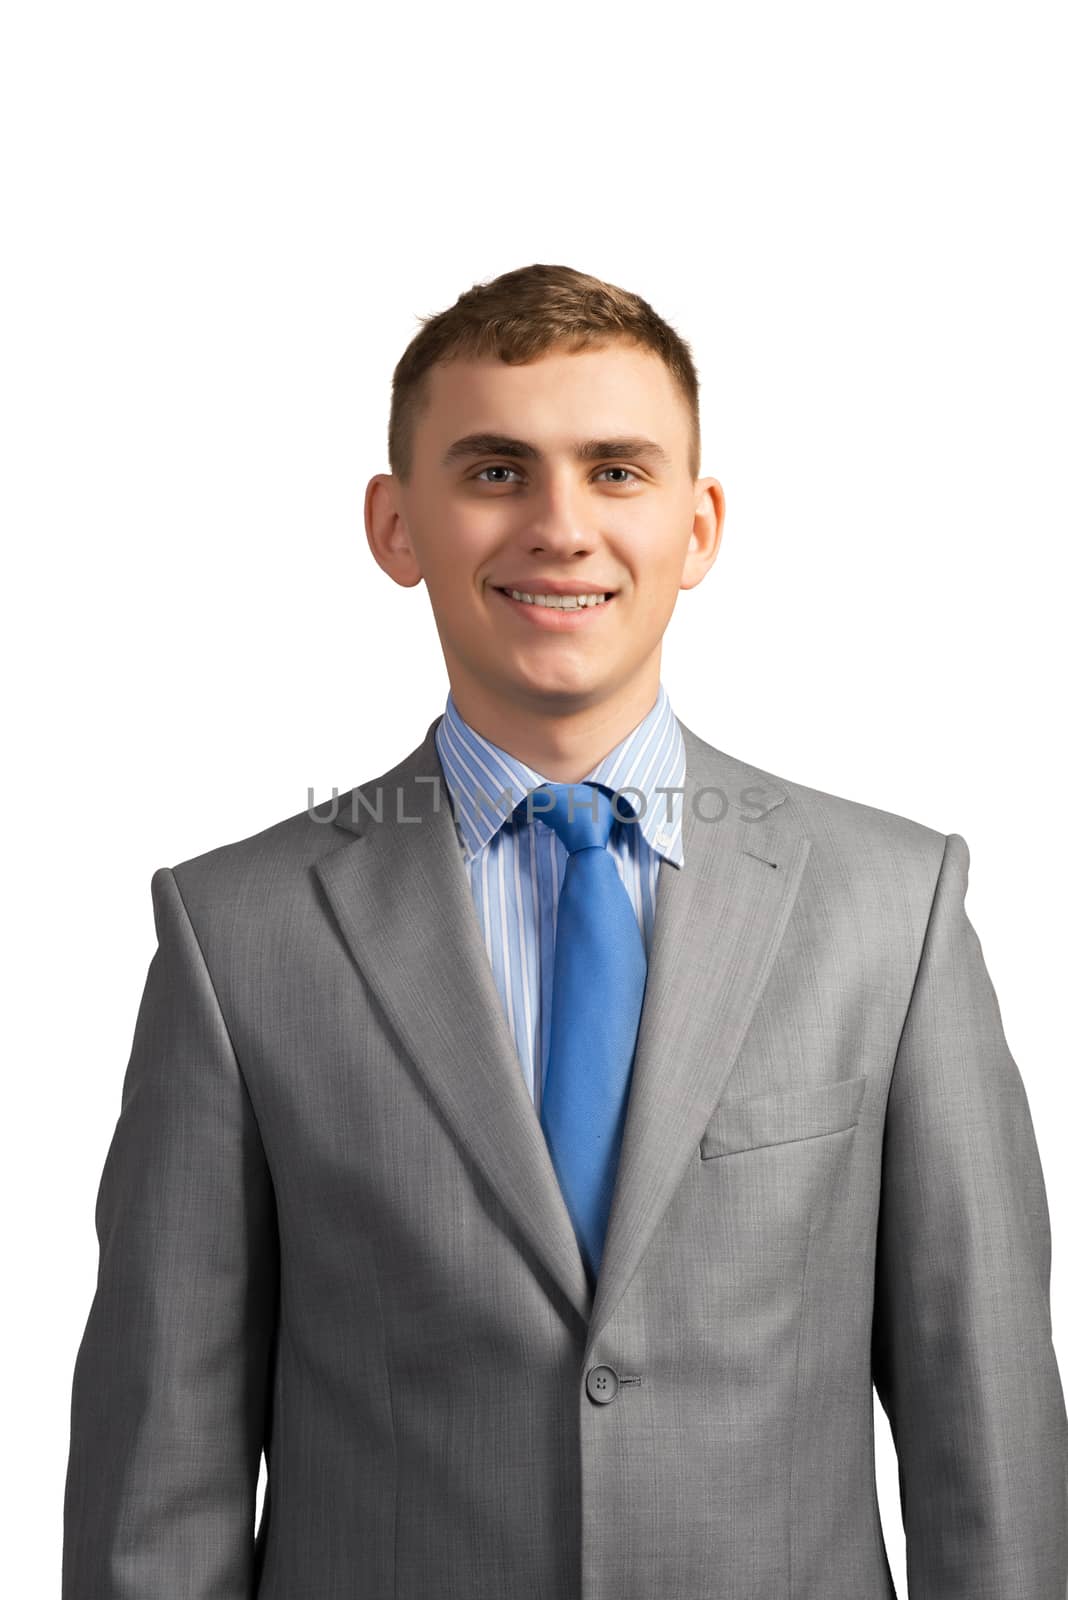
(399, 890)
(719, 922)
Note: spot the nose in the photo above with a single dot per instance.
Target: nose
(561, 527)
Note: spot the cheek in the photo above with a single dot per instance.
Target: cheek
(450, 574)
(659, 587)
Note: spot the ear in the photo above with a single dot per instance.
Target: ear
(387, 533)
(709, 512)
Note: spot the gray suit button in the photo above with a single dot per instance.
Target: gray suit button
(602, 1384)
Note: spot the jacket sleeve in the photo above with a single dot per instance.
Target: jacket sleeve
(170, 1383)
(962, 1353)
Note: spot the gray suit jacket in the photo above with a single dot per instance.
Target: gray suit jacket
(330, 1228)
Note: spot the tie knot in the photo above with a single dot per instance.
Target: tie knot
(580, 814)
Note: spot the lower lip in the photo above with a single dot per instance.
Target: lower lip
(555, 618)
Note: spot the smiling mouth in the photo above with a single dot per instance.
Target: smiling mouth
(560, 602)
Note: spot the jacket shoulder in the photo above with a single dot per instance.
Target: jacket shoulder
(249, 873)
(272, 870)
(857, 821)
(864, 855)
(853, 832)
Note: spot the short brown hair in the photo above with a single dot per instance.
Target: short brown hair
(518, 317)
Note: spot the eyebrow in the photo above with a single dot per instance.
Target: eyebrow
(634, 448)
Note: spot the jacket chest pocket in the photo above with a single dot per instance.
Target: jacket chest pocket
(782, 1117)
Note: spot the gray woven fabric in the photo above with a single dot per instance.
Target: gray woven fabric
(330, 1227)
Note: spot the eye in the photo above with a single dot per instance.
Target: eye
(499, 466)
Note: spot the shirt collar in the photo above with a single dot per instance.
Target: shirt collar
(486, 782)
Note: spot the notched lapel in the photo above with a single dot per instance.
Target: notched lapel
(399, 890)
(719, 923)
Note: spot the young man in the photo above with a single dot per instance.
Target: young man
(541, 1157)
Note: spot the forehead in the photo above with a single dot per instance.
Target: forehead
(615, 390)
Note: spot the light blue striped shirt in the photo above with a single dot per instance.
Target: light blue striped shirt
(516, 870)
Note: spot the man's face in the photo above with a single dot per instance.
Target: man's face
(482, 515)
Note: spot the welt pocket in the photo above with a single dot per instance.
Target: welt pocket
(782, 1116)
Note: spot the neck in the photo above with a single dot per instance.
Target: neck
(561, 740)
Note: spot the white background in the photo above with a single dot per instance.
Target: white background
(222, 223)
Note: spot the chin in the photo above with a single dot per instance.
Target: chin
(561, 693)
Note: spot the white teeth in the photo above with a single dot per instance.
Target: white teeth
(558, 602)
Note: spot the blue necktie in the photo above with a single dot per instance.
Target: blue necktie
(598, 987)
